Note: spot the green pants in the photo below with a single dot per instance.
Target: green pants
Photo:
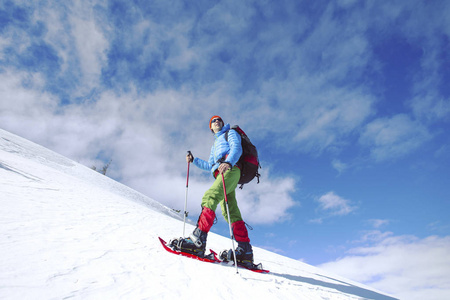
(214, 195)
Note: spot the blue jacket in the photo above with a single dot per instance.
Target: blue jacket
(221, 148)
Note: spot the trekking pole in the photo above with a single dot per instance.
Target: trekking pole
(229, 224)
(185, 202)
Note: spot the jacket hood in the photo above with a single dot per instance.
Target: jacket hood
(225, 128)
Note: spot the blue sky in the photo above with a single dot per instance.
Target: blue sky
(347, 101)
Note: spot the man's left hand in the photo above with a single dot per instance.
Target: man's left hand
(224, 167)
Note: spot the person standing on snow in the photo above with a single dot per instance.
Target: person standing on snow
(222, 160)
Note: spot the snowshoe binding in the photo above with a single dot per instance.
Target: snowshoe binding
(195, 244)
(244, 256)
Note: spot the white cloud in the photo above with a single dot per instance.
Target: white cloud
(404, 266)
(269, 201)
(300, 85)
(339, 166)
(335, 205)
(90, 42)
(438, 226)
(428, 103)
(310, 114)
(371, 236)
(377, 223)
(310, 106)
(430, 106)
(316, 221)
(389, 138)
(146, 138)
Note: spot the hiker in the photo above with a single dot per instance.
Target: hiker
(224, 156)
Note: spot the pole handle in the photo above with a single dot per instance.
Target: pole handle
(187, 177)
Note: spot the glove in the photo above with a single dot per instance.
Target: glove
(223, 167)
(189, 157)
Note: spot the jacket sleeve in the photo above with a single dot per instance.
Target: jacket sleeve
(234, 141)
(203, 164)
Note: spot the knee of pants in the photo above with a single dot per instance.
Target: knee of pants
(211, 198)
(235, 213)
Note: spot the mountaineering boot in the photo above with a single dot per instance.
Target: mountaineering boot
(244, 254)
(244, 251)
(194, 244)
(198, 237)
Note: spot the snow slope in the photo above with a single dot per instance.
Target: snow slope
(67, 231)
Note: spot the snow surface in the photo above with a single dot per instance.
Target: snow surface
(67, 231)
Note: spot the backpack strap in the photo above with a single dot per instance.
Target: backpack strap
(238, 163)
(226, 134)
(232, 128)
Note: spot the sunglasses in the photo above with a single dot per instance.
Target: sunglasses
(216, 119)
